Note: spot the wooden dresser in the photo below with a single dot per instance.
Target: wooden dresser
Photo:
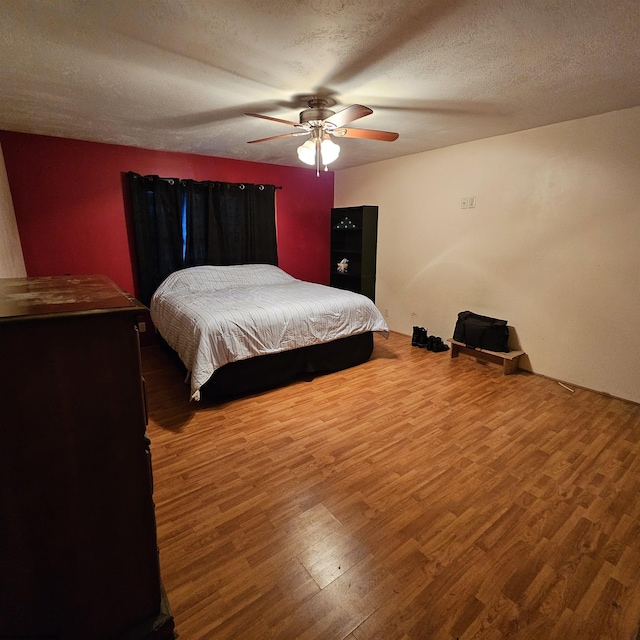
(78, 551)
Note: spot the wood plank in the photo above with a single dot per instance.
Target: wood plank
(509, 360)
(410, 497)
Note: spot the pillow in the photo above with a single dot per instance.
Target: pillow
(216, 278)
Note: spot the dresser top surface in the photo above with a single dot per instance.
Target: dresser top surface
(62, 295)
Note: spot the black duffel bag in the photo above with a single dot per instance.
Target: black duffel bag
(481, 332)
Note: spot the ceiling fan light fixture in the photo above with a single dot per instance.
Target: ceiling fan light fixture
(329, 150)
(307, 152)
(326, 149)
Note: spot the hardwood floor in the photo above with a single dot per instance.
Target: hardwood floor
(413, 497)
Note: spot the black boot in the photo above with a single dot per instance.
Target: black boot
(415, 337)
(422, 339)
(439, 346)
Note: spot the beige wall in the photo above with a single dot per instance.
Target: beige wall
(553, 245)
(11, 260)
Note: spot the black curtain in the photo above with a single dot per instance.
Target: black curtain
(230, 223)
(185, 223)
(157, 226)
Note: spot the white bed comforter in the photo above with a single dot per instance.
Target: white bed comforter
(215, 315)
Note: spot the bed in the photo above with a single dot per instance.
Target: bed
(242, 328)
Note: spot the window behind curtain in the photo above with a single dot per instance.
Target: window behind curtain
(185, 223)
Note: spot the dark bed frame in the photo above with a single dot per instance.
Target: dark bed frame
(273, 370)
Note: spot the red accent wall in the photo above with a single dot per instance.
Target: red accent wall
(71, 207)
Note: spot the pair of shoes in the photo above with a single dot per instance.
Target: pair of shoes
(436, 345)
(419, 337)
(431, 342)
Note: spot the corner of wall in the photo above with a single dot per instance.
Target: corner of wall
(11, 258)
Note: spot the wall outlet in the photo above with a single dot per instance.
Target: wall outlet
(142, 327)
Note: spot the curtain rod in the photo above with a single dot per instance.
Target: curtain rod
(240, 184)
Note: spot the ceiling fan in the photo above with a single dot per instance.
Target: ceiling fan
(320, 122)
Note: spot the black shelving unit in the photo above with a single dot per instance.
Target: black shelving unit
(354, 236)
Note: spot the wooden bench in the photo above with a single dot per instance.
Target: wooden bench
(509, 360)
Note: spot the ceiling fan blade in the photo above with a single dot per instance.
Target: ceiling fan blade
(354, 112)
(283, 135)
(368, 134)
(258, 115)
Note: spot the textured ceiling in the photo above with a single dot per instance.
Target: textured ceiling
(179, 74)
